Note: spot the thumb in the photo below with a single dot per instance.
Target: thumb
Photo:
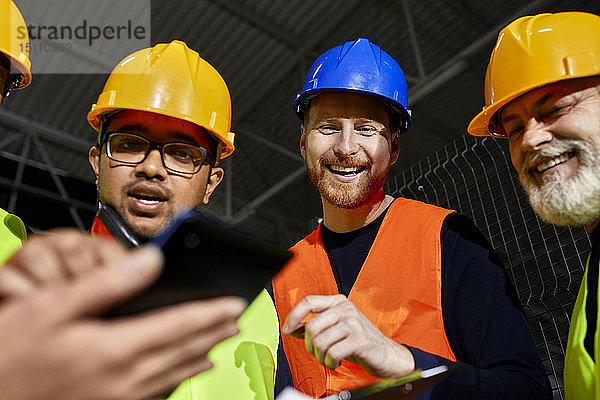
(101, 288)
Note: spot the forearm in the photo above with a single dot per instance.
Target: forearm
(508, 380)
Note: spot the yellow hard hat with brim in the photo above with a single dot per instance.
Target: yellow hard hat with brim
(14, 42)
(535, 51)
(173, 80)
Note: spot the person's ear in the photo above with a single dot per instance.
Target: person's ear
(303, 141)
(94, 159)
(216, 176)
(395, 148)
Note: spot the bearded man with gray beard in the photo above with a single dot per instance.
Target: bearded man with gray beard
(548, 107)
(385, 286)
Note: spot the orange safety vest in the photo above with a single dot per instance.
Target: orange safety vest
(399, 289)
(99, 229)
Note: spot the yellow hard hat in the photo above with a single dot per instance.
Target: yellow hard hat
(14, 41)
(169, 79)
(535, 51)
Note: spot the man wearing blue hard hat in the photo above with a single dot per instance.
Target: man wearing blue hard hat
(388, 285)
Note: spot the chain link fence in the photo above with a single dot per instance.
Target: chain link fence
(475, 177)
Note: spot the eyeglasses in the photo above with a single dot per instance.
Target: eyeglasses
(183, 158)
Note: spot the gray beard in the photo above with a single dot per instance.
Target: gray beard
(566, 201)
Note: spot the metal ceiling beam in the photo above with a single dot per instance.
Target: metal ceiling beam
(251, 132)
(413, 38)
(216, 208)
(14, 194)
(250, 208)
(269, 27)
(289, 66)
(438, 79)
(63, 138)
(459, 63)
(46, 194)
(473, 19)
(57, 181)
(30, 163)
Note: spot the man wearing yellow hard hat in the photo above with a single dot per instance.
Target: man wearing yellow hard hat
(54, 345)
(163, 121)
(15, 73)
(542, 93)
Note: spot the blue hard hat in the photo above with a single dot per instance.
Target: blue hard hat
(357, 66)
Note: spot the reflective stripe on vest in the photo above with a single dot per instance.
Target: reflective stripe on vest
(243, 366)
(582, 375)
(398, 289)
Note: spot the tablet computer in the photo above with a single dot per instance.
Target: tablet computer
(408, 387)
(405, 388)
(206, 258)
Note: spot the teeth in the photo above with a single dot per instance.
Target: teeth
(344, 169)
(551, 163)
(149, 202)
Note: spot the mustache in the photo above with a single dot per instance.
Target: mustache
(555, 149)
(345, 162)
(146, 185)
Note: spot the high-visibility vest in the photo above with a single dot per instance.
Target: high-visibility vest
(244, 365)
(399, 289)
(12, 235)
(582, 374)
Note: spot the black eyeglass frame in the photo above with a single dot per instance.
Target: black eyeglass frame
(152, 145)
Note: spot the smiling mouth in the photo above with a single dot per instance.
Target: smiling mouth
(553, 162)
(148, 199)
(337, 169)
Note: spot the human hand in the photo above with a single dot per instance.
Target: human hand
(54, 348)
(56, 256)
(341, 331)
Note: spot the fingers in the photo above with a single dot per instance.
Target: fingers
(167, 380)
(209, 321)
(14, 283)
(310, 304)
(36, 262)
(319, 342)
(160, 349)
(58, 256)
(72, 253)
(327, 330)
(98, 289)
(77, 252)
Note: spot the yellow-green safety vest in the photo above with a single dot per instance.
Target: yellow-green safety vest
(582, 374)
(244, 365)
(12, 235)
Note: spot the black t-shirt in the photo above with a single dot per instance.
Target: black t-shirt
(348, 251)
(483, 319)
